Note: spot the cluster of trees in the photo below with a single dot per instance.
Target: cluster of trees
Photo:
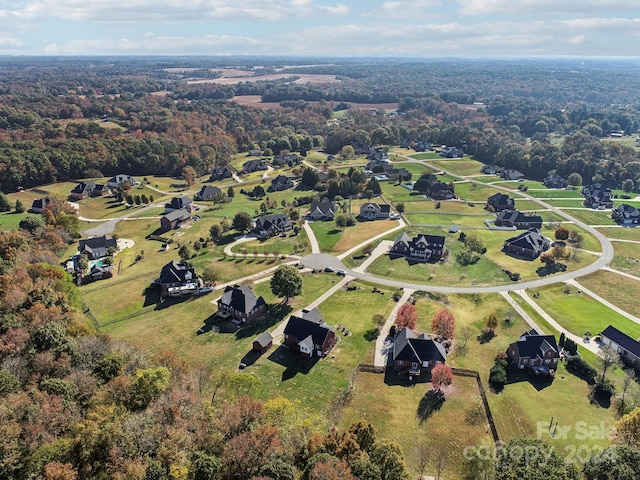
(78, 405)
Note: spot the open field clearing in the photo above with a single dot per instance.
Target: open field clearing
(621, 233)
(555, 193)
(626, 257)
(256, 100)
(620, 291)
(333, 240)
(241, 77)
(579, 313)
(592, 217)
(444, 220)
(291, 244)
(577, 203)
(472, 192)
(426, 156)
(462, 167)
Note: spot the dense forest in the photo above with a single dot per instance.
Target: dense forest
(71, 118)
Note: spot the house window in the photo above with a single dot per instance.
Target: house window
(547, 361)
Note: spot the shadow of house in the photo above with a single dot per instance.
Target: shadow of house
(285, 357)
(536, 354)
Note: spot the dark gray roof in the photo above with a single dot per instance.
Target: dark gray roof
(325, 206)
(265, 222)
(180, 202)
(530, 240)
(264, 340)
(179, 214)
(516, 216)
(176, 272)
(408, 346)
(207, 192)
(306, 327)
(84, 187)
(532, 345)
(241, 298)
(98, 246)
(622, 339)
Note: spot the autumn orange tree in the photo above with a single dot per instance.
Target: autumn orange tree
(443, 323)
(407, 316)
(441, 376)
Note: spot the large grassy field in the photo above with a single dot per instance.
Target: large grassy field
(555, 193)
(444, 220)
(334, 240)
(580, 313)
(277, 372)
(592, 217)
(426, 156)
(461, 167)
(622, 233)
(291, 244)
(11, 220)
(620, 291)
(626, 257)
(576, 203)
(472, 192)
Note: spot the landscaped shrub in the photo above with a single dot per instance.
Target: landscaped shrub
(498, 373)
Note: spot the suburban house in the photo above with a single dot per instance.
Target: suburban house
(40, 204)
(220, 173)
(491, 169)
(101, 191)
(528, 244)
(595, 195)
(97, 247)
(101, 272)
(262, 343)
(281, 182)
(240, 303)
(422, 247)
(173, 219)
(452, 152)
(208, 193)
(416, 353)
(382, 165)
(362, 148)
(627, 347)
(515, 218)
(441, 191)
(253, 166)
(289, 159)
(179, 203)
(510, 174)
(555, 181)
(378, 154)
(120, 179)
(270, 225)
(254, 153)
(499, 202)
(539, 353)
(626, 214)
(402, 174)
(324, 209)
(374, 211)
(309, 335)
(83, 190)
(177, 279)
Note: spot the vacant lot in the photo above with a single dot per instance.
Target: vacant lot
(334, 240)
(472, 192)
(616, 289)
(592, 217)
(462, 167)
(626, 257)
(555, 193)
(579, 313)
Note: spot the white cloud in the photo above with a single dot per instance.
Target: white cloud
(172, 11)
(547, 7)
(10, 43)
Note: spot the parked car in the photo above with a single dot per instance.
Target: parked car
(328, 269)
(341, 272)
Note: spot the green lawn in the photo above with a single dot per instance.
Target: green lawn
(461, 167)
(621, 233)
(10, 220)
(618, 290)
(455, 207)
(291, 244)
(426, 156)
(579, 313)
(333, 240)
(577, 203)
(473, 192)
(626, 257)
(592, 217)
(444, 220)
(555, 193)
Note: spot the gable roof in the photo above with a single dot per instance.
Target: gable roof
(408, 346)
(241, 298)
(309, 326)
(532, 240)
(323, 207)
(180, 214)
(177, 272)
(516, 216)
(84, 187)
(281, 179)
(98, 246)
(500, 199)
(180, 202)
(208, 191)
(532, 344)
(622, 339)
(265, 222)
(264, 340)
(625, 211)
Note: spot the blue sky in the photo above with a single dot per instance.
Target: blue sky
(321, 27)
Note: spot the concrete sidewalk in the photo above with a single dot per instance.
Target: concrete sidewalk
(313, 241)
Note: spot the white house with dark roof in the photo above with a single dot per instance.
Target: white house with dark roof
(324, 209)
(422, 247)
(374, 211)
(97, 247)
(120, 179)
